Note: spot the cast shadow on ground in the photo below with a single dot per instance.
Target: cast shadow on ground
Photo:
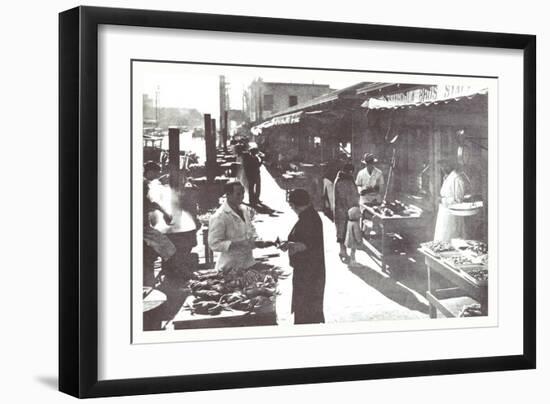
(48, 381)
(390, 288)
(263, 209)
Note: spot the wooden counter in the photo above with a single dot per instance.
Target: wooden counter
(387, 225)
(184, 319)
(464, 286)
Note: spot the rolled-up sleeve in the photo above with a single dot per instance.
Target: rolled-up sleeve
(216, 235)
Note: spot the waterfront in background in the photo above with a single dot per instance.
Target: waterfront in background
(188, 143)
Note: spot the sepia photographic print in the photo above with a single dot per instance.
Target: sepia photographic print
(276, 201)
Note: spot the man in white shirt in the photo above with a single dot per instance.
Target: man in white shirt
(370, 181)
(231, 232)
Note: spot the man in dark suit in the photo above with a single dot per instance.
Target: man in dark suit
(251, 165)
(307, 257)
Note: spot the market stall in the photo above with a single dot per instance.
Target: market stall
(433, 124)
(391, 219)
(465, 264)
(231, 298)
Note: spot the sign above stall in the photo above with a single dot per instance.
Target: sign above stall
(423, 96)
(287, 119)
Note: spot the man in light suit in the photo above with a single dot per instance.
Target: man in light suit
(231, 232)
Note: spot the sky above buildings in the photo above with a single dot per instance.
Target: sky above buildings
(184, 85)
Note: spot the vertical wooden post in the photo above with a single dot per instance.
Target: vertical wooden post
(223, 107)
(359, 136)
(174, 156)
(210, 144)
(436, 173)
(215, 132)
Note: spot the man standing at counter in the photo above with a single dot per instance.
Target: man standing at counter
(449, 226)
(370, 184)
(231, 232)
(370, 181)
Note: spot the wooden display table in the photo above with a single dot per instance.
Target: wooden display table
(292, 180)
(465, 286)
(387, 225)
(184, 319)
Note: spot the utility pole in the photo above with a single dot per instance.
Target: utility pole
(223, 107)
(157, 106)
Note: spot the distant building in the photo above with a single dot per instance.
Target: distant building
(264, 99)
(236, 115)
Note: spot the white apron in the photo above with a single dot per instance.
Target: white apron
(449, 226)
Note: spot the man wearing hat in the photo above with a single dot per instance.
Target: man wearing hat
(370, 181)
(307, 258)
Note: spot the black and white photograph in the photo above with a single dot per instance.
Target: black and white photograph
(229, 202)
(273, 201)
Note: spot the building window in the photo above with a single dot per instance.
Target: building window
(292, 100)
(268, 102)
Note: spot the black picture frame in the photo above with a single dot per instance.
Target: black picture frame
(78, 200)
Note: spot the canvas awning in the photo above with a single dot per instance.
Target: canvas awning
(319, 117)
(424, 97)
(287, 119)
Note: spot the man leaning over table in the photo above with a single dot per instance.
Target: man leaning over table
(231, 232)
(370, 184)
(370, 181)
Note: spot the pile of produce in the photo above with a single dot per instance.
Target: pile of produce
(472, 247)
(248, 290)
(469, 256)
(459, 260)
(392, 208)
(477, 247)
(438, 247)
(397, 207)
(472, 310)
(479, 274)
(381, 210)
(476, 251)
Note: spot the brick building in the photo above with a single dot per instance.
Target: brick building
(264, 99)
